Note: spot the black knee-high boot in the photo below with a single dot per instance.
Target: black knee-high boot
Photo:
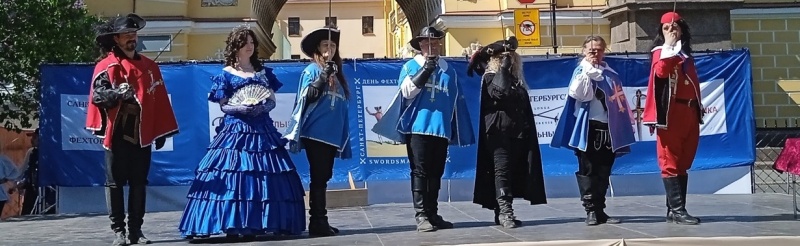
(419, 192)
(677, 202)
(587, 190)
(432, 205)
(600, 201)
(318, 225)
(137, 202)
(505, 214)
(684, 189)
(115, 202)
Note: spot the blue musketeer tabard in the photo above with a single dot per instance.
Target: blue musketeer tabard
(439, 109)
(572, 130)
(326, 120)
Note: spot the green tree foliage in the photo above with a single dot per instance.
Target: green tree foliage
(33, 32)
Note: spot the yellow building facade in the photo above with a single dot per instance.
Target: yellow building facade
(205, 24)
(469, 24)
(362, 24)
(769, 28)
(773, 38)
(198, 28)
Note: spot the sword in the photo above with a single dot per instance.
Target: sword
(329, 59)
(639, 112)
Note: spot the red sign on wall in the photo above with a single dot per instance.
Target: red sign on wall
(526, 1)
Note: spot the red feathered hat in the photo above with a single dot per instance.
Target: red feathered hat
(669, 17)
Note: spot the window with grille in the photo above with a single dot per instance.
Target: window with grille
(153, 43)
(294, 26)
(330, 21)
(367, 23)
(368, 55)
(295, 56)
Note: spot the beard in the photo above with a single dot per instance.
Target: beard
(129, 46)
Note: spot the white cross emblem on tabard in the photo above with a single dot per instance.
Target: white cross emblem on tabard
(334, 95)
(432, 89)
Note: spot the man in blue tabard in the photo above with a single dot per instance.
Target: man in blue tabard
(597, 124)
(428, 114)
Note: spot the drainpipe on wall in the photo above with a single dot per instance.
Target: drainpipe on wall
(553, 25)
(134, 6)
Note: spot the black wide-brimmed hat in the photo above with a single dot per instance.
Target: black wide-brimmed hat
(426, 32)
(121, 24)
(311, 41)
(480, 58)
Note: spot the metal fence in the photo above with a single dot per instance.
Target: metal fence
(770, 140)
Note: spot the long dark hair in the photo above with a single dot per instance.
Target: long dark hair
(105, 43)
(686, 38)
(320, 61)
(238, 39)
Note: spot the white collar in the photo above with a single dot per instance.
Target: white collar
(603, 65)
(421, 62)
(678, 47)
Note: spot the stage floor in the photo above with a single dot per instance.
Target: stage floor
(393, 224)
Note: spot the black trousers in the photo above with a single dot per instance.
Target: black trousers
(2, 205)
(594, 166)
(31, 193)
(427, 156)
(126, 164)
(508, 153)
(320, 159)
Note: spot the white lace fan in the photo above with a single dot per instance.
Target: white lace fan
(250, 95)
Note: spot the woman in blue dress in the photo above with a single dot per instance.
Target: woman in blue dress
(319, 122)
(246, 185)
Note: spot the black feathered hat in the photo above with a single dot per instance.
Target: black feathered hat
(120, 24)
(425, 33)
(311, 41)
(480, 58)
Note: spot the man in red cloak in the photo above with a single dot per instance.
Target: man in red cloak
(674, 110)
(130, 110)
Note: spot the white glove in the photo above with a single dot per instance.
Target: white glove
(593, 72)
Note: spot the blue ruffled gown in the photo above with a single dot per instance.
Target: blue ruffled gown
(246, 184)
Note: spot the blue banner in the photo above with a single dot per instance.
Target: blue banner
(71, 156)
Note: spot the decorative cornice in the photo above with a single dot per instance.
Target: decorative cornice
(454, 20)
(192, 27)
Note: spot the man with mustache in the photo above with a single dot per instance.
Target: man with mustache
(129, 109)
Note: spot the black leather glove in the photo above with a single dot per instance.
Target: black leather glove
(160, 142)
(424, 74)
(503, 78)
(126, 92)
(330, 68)
(506, 62)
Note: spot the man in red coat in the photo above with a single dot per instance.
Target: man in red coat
(129, 109)
(674, 110)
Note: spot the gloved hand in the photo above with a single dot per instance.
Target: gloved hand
(263, 107)
(160, 143)
(236, 110)
(506, 62)
(593, 72)
(125, 91)
(424, 74)
(330, 68)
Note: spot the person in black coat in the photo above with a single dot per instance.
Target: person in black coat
(509, 162)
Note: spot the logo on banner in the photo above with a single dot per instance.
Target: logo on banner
(713, 98)
(280, 114)
(547, 105)
(373, 97)
(74, 135)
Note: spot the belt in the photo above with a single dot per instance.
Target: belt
(688, 102)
